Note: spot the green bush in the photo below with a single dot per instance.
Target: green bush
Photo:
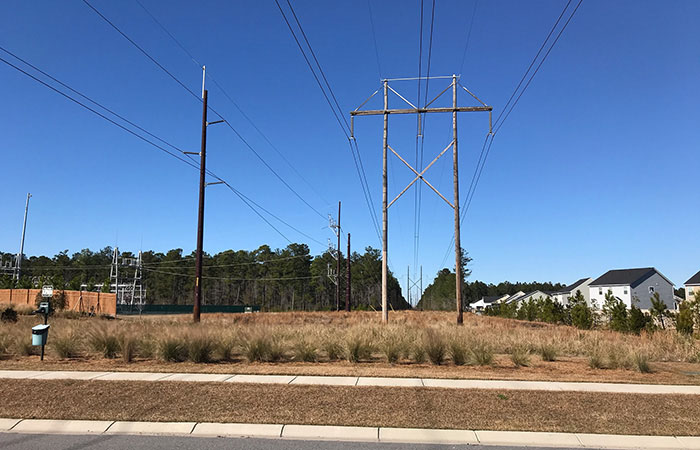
(434, 346)
(8, 315)
(616, 312)
(581, 313)
(637, 320)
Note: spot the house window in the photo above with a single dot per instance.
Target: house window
(651, 289)
(600, 291)
(625, 291)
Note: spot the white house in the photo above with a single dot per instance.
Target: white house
(632, 285)
(486, 301)
(562, 297)
(513, 297)
(526, 297)
(692, 286)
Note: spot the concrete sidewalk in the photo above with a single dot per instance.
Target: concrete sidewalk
(356, 434)
(357, 381)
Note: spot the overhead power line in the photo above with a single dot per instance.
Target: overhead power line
(232, 101)
(182, 84)
(335, 109)
(508, 108)
(246, 200)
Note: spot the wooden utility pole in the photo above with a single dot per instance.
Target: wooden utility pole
(348, 284)
(385, 209)
(454, 109)
(458, 245)
(337, 265)
(200, 216)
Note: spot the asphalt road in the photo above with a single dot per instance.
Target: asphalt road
(12, 441)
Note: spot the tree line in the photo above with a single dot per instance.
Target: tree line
(276, 279)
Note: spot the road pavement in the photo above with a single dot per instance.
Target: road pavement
(16, 441)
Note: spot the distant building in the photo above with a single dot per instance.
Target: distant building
(562, 297)
(513, 297)
(521, 297)
(632, 285)
(692, 286)
(486, 301)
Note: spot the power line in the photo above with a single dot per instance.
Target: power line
(233, 102)
(246, 200)
(469, 35)
(210, 108)
(336, 113)
(486, 148)
(374, 38)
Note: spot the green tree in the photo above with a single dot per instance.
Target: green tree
(637, 320)
(684, 319)
(581, 313)
(616, 312)
(658, 309)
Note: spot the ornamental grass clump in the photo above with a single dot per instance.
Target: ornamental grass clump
(547, 351)
(128, 344)
(305, 350)
(66, 345)
(641, 362)
(357, 348)
(435, 347)
(482, 353)
(458, 351)
(172, 349)
(393, 344)
(104, 341)
(520, 356)
(200, 348)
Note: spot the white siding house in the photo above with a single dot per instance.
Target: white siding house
(632, 286)
(562, 297)
(692, 286)
(485, 302)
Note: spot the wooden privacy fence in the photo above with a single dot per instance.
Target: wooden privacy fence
(80, 301)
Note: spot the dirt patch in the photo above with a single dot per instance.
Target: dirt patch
(360, 406)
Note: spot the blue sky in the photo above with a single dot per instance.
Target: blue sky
(596, 168)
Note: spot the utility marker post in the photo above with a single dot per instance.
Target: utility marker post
(454, 109)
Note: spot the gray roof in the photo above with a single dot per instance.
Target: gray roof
(631, 277)
(695, 279)
(491, 298)
(570, 288)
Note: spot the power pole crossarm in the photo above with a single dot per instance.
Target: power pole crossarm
(377, 112)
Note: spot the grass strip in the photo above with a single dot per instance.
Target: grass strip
(361, 406)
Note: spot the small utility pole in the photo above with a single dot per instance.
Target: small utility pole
(200, 217)
(408, 284)
(337, 263)
(348, 285)
(458, 245)
(21, 244)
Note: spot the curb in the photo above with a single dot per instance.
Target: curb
(348, 433)
(295, 380)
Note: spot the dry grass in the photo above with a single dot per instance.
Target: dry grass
(359, 406)
(324, 343)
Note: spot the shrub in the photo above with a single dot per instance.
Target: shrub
(520, 356)
(458, 352)
(103, 341)
(147, 347)
(127, 346)
(684, 319)
(333, 349)
(616, 312)
(263, 348)
(172, 349)
(595, 360)
(418, 353)
(548, 351)
(357, 348)
(8, 315)
(641, 362)
(5, 345)
(637, 320)
(25, 347)
(225, 348)
(434, 345)
(392, 346)
(618, 358)
(66, 346)
(306, 351)
(200, 348)
(482, 353)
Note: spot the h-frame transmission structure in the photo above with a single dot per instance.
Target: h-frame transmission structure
(386, 112)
